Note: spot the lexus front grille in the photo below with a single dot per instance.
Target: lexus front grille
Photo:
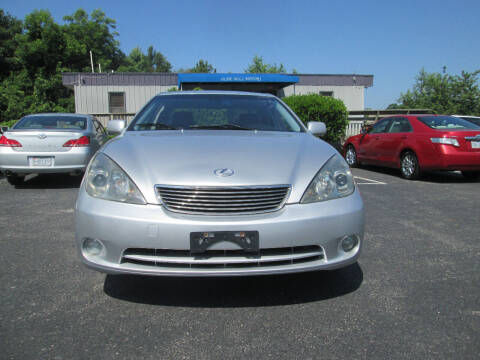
(223, 200)
(222, 258)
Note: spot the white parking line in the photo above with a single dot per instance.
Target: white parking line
(369, 181)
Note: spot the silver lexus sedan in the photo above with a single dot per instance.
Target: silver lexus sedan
(49, 143)
(217, 183)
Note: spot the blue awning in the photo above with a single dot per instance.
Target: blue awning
(237, 78)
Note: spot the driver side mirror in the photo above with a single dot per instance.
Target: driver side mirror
(4, 129)
(317, 128)
(115, 127)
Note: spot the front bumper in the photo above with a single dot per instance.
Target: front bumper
(75, 159)
(122, 226)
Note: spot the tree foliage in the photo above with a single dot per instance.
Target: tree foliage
(202, 66)
(152, 61)
(443, 93)
(314, 107)
(35, 51)
(10, 27)
(95, 33)
(258, 66)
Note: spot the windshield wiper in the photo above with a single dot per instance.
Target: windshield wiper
(219, 127)
(156, 126)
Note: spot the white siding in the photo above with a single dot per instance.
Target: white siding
(352, 96)
(94, 99)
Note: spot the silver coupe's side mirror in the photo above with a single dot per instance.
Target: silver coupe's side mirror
(4, 129)
(115, 127)
(317, 128)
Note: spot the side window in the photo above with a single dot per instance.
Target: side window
(380, 127)
(400, 125)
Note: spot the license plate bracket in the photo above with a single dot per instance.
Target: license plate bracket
(40, 160)
(247, 240)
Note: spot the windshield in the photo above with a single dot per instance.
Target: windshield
(51, 122)
(215, 112)
(449, 123)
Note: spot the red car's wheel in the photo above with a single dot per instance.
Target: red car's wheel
(409, 166)
(351, 156)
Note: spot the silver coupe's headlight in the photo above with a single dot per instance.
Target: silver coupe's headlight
(106, 180)
(334, 180)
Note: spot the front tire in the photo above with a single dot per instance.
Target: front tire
(409, 167)
(351, 156)
(472, 175)
(15, 179)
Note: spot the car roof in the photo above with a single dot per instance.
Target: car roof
(214, 92)
(469, 116)
(60, 114)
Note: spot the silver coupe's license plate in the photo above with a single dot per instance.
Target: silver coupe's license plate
(40, 161)
(475, 144)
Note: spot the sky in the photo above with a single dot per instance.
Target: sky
(391, 40)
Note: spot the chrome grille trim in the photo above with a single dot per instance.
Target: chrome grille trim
(223, 258)
(205, 200)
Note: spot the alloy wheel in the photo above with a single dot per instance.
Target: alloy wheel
(351, 156)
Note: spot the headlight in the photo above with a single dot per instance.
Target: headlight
(334, 180)
(106, 180)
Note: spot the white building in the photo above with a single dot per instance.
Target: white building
(123, 94)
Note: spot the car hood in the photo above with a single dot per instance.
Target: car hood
(190, 158)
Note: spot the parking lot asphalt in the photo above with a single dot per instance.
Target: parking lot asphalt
(414, 294)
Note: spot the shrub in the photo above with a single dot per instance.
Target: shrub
(313, 107)
(9, 123)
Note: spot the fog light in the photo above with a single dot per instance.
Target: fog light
(92, 247)
(349, 243)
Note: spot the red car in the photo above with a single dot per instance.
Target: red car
(416, 143)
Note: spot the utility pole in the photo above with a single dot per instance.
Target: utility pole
(91, 61)
(99, 68)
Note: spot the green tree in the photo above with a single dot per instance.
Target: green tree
(202, 66)
(95, 33)
(156, 62)
(10, 27)
(443, 93)
(152, 61)
(258, 66)
(35, 53)
(41, 45)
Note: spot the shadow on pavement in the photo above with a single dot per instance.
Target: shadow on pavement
(50, 181)
(235, 291)
(444, 177)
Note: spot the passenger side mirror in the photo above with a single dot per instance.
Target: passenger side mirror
(317, 128)
(4, 129)
(115, 127)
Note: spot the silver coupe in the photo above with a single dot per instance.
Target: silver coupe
(49, 143)
(217, 183)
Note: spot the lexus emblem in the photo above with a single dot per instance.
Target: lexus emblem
(42, 136)
(223, 172)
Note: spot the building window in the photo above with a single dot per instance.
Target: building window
(326, 93)
(116, 102)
